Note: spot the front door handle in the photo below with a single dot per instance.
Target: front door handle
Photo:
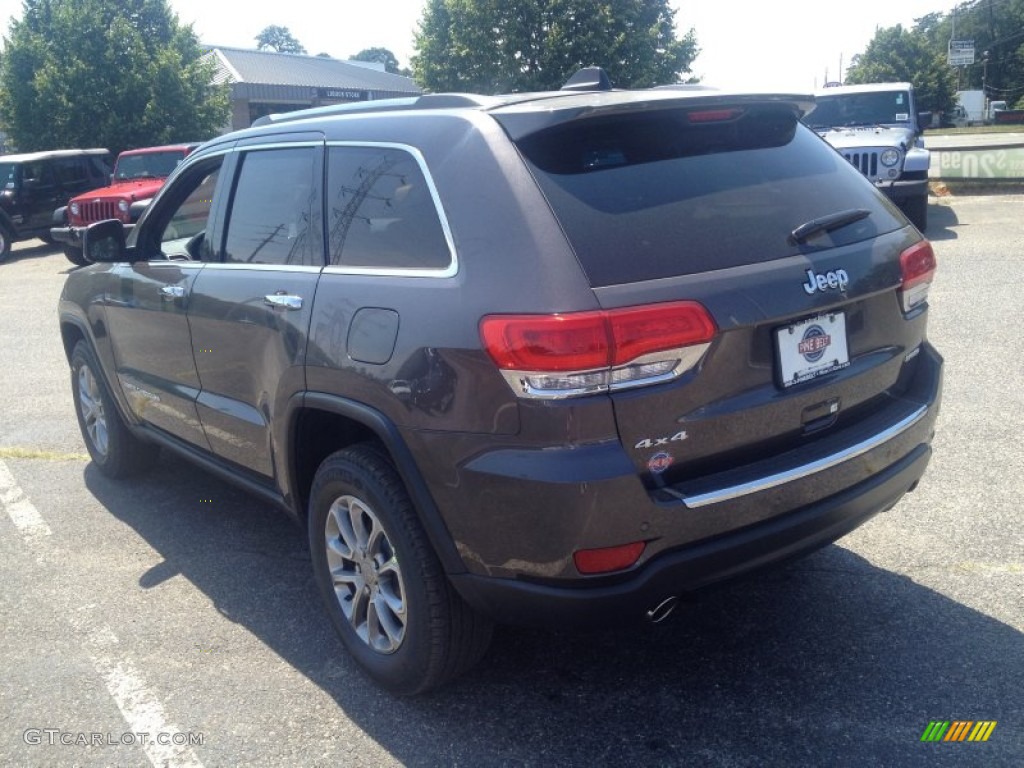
(171, 292)
(283, 300)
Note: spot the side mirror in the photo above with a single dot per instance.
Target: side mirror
(104, 241)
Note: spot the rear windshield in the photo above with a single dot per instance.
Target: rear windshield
(644, 196)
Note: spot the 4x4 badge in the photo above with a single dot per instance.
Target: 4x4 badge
(648, 442)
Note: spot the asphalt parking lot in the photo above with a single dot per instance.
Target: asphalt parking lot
(174, 620)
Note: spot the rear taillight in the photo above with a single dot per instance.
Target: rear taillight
(917, 267)
(565, 355)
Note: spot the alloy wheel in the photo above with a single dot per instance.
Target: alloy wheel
(93, 415)
(366, 575)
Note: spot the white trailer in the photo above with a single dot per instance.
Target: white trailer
(970, 108)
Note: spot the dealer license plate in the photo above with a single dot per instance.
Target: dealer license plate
(812, 348)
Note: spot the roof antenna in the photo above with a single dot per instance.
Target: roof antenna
(588, 79)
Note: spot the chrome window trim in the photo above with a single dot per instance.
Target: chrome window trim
(798, 473)
(236, 265)
(453, 266)
(276, 145)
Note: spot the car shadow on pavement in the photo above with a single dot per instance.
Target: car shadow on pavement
(942, 222)
(38, 249)
(827, 661)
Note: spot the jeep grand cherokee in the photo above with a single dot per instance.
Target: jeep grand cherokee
(551, 358)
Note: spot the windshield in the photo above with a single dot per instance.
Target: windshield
(151, 165)
(852, 109)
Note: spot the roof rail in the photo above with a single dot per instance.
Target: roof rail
(427, 101)
(684, 87)
(588, 79)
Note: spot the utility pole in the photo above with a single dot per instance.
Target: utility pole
(984, 78)
(952, 37)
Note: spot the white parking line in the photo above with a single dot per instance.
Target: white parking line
(23, 514)
(139, 706)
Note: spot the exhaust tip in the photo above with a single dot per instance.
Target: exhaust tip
(662, 610)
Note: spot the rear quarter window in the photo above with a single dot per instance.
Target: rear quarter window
(644, 196)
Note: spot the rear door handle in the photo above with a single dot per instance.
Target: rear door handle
(171, 292)
(283, 300)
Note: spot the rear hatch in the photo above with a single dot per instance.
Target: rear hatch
(812, 284)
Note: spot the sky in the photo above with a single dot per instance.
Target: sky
(781, 45)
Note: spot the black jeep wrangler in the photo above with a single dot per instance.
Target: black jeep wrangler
(35, 184)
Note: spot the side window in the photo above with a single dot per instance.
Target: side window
(40, 172)
(274, 210)
(380, 212)
(177, 228)
(181, 235)
(71, 171)
(100, 167)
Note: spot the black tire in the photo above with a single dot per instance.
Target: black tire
(424, 634)
(115, 451)
(75, 255)
(6, 241)
(916, 209)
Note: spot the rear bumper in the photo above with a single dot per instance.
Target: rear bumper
(698, 533)
(699, 565)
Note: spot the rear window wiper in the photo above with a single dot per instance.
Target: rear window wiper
(832, 221)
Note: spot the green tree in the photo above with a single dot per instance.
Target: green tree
(896, 55)
(996, 28)
(490, 47)
(381, 56)
(112, 73)
(278, 39)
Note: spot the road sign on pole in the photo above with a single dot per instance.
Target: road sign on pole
(961, 53)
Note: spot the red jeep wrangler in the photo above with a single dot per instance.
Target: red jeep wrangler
(137, 176)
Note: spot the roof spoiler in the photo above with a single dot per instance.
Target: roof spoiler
(588, 79)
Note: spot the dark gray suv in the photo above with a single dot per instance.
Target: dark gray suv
(551, 359)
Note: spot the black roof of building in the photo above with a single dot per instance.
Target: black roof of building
(266, 74)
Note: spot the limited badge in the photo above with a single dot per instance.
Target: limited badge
(659, 462)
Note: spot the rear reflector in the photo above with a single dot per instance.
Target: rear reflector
(608, 559)
(584, 352)
(917, 267)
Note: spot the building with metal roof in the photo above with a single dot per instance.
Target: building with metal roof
(265, 82)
